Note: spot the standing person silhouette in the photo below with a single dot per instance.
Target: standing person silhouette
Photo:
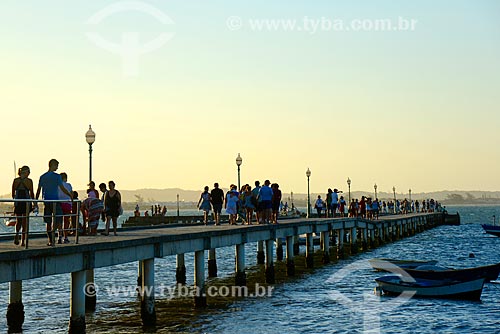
(104, 190)
(250, 203)
(231, 204)
(67, 207)
(49, 184)
(276, 202)
(217, 199)
(22, 188)
(265, 197)
(113, 203)
(205, 204)
(93, 190)
(319, 206)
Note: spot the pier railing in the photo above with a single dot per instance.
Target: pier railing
(12, 219)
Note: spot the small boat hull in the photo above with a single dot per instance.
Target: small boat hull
(490, 273)
(382, 264)
(491, 229)
(469, 290)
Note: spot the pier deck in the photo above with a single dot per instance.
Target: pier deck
(174, 240)
(345, 235)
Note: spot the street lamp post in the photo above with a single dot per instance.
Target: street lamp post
(178, 206)
(375, 187)
(90, 137)
(308, 174)
(349, 186)
(409, 193)
(239, 161)
(394, 192)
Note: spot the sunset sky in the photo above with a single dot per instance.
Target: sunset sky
(414, 109)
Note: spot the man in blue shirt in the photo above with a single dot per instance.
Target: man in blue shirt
(49, 184)
(265, 197)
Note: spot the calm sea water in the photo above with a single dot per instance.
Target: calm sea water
(305, 304)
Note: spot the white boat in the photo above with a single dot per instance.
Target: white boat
(468, 290)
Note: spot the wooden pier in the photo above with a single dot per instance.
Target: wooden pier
(340, 237)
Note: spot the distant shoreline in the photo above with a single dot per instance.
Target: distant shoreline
(472, 204)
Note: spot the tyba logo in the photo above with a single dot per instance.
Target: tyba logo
(130, 48)
(370, 305)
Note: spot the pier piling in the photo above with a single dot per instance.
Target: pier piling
(212, 263)
(180, 270)
(270, 278)
(296, 246)
(91, 295)
(290, 264)
(261, 257)
(340, 244)
(354, 240)
(365, 243)
(279, 249)
(77, 302)
(148, 312)
(325, 238)
(309, 251)
(200, 299)
(15, 310)
(139, 276)
(333, 246)
(372, 239)
(241, 278)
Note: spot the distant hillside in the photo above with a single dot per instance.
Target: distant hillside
(170, 195)
(447, 196)
(160, 195)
